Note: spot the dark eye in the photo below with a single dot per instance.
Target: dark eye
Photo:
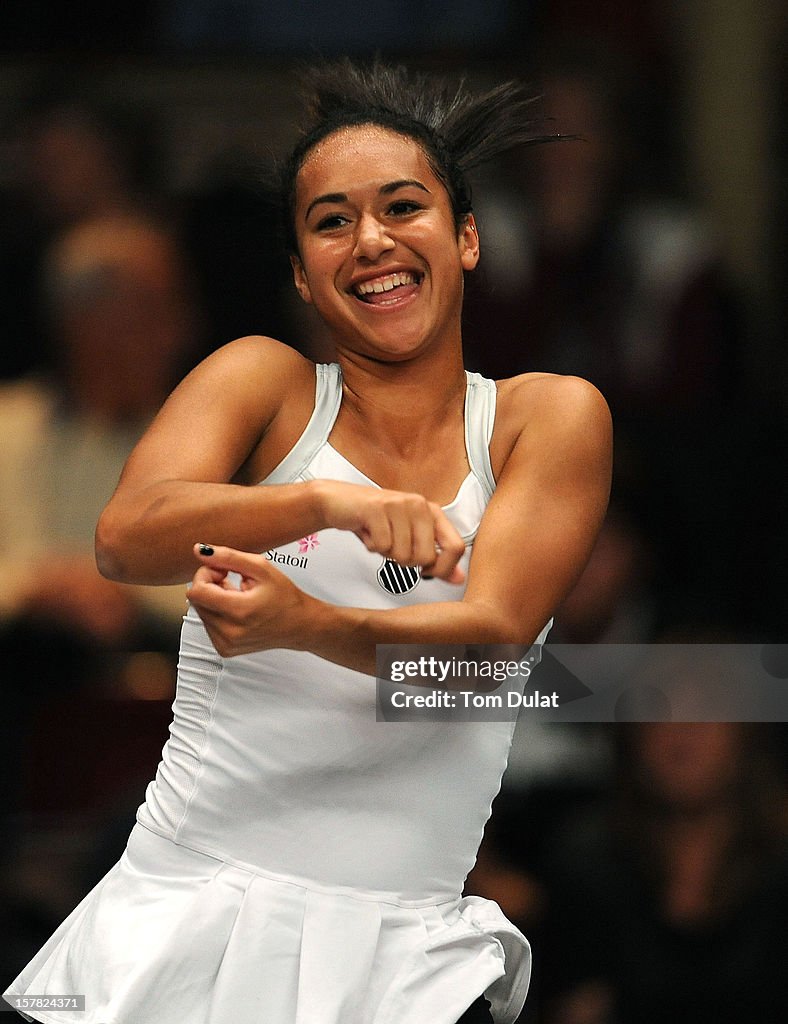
(402, 207)
(331, 222)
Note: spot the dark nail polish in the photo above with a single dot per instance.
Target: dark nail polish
(206, 549)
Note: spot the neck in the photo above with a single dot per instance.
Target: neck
(402, 425)
(401, 400)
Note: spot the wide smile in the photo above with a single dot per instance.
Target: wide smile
(388, 291)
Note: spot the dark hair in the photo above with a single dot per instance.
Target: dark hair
(458, 129)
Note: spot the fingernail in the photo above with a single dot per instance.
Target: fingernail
(206, 549)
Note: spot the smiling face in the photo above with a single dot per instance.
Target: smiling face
(380, 255)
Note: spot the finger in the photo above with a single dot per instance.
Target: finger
(207, 574)
(376, 531)
(231, 560)
(218, 600)
(423, 541)
(401, 527)
(451, 548)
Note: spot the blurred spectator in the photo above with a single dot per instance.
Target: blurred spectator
(122, 314)
(74, 155)
(585, 274)
(588, 277)
(670, 901)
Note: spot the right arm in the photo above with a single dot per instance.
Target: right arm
(193, 475)
(178, 484)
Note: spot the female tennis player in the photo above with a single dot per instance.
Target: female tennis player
(296, 861)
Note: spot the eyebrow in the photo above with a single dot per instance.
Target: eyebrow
(385, 190)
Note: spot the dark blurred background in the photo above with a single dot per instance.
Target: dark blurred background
(647, 862)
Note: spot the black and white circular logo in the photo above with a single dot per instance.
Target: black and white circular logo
(396, 578)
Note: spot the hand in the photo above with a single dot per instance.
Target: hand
(267, 610)
(404, 527)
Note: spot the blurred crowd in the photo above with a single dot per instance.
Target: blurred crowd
(646, 861)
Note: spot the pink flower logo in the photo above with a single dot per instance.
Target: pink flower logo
(307, 543)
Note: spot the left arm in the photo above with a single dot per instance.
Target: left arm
(534, 541)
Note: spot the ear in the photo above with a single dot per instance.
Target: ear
(469, 243)
(299, 276)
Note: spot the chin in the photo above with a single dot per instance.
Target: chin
(381, 354)
(398, 347)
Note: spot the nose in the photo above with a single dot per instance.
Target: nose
(372, 239)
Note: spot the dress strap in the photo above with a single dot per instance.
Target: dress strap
(328, 398)
(480, 399)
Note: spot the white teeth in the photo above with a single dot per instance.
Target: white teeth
(385, 284)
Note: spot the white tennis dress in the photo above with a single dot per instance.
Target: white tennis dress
(296, 861)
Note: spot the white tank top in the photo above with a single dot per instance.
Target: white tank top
(275, 760)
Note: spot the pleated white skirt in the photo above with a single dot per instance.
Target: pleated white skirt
(171, 935)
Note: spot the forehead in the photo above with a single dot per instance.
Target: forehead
(359, 156)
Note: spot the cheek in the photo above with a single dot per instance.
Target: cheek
(317, 279)
(321, 258)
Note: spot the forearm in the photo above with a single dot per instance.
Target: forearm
(149, 537)
(350, 636)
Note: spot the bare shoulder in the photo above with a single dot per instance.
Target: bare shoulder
(247, 362)
(238, 407)
(246, 382)
(557, 411)
(548, 394)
